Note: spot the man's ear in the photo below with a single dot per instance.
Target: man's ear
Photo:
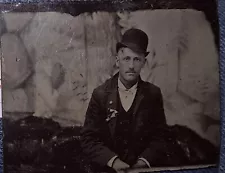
(145, 61)
(117, 61)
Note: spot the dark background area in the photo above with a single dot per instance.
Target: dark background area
(74, 7)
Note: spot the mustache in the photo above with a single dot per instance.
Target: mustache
(130, 72)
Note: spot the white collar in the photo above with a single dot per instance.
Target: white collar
(121, 86)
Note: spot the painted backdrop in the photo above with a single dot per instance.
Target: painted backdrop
(51, 62)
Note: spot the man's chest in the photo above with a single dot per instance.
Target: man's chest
(126, 99)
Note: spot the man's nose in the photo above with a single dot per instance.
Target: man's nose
(131, 64)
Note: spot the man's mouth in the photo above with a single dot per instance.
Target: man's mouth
(131, 73)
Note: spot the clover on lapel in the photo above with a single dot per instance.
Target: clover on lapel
(112, 114)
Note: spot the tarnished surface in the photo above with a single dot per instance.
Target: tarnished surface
(60, 59)
(41, 145)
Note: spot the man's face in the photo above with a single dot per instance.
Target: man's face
(130, 64)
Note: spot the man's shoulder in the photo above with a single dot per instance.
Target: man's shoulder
(108, 84)
(103, 87)
(151, 88)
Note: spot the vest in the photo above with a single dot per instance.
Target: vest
(123, 132)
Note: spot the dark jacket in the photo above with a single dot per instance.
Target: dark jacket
(97, 137)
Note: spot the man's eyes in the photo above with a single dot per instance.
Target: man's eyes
(127, 58)
(135, 59)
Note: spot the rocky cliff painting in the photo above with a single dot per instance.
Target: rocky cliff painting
(52, 62)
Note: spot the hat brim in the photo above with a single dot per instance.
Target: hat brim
(130, 46)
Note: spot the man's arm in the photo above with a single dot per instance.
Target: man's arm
(158, 134)
(92, 137)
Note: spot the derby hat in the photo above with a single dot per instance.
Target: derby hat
(134, 39)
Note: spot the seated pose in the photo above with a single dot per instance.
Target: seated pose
(125, 117)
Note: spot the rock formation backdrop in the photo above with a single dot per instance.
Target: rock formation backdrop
(51, 62)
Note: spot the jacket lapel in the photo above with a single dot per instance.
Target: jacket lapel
(112, 111)
(139, 117)
(139, 97)
(111, 104)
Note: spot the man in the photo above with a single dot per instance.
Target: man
(125, 116)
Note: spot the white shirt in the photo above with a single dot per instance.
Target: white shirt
(126, 97)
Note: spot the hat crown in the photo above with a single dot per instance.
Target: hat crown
(136, 37)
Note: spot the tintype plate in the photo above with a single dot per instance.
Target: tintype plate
(109, 86)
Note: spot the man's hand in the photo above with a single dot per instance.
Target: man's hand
(140, 164)
(119, 165)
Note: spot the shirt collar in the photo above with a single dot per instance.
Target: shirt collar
(121, 86)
